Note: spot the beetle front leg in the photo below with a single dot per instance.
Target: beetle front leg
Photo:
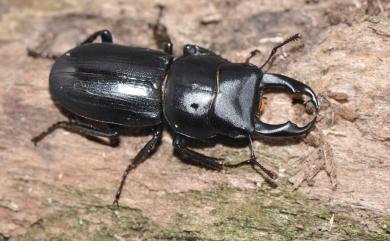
(105, 35)
(253, 162)
(138, 159)
(197, 158)
(81, 128)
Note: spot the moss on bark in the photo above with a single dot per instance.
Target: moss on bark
(231, 214)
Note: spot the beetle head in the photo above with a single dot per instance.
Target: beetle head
(272, 81)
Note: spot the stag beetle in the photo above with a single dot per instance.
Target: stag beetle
(199, 95)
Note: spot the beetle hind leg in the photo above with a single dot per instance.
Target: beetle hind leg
(44, 51)
(195, 157)
(81, 128)
(160, 33)
(105, 35)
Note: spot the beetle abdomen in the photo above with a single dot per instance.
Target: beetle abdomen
(111, 83)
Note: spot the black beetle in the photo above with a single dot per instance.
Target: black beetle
(200, 95)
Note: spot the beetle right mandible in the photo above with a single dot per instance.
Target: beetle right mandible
(108, 87)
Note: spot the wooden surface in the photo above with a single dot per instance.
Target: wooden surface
(62, 189)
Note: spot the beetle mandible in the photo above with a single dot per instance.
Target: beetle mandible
(199, 95)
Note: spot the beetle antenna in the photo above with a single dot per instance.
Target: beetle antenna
(295, 37)
(251, 55)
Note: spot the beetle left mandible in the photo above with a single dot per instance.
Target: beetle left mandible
(108, 87)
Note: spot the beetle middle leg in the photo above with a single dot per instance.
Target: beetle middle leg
(81, 128)
(253, 162)
(203, 160)
(160, 33)
(138, 159)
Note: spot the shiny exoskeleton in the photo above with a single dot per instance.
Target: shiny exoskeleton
(199, 95)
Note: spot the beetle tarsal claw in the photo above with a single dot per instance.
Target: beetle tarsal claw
(115, 204)
(268, 172)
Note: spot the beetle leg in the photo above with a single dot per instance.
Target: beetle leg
(197, 158)
(191, 49)
(168, 48)
(253, 162)
(41, 50)
(160, 33)
(113, 140)
(105, 35)
(80, 128)
(138, 159)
